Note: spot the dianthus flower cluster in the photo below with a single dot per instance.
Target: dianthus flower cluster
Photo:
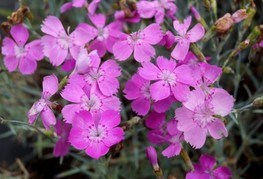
(93, 55)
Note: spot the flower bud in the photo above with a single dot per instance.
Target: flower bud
(152, 156)
(239, 15)
(258, 102)
(195, 13)
(224, 23)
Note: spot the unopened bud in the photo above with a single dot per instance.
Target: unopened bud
(195, 13)
(152, 156)
(224, 23)
(239, 15)
(258, 102)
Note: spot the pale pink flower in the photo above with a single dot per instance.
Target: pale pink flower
(86, 98)
(85, 61)
(140, 42)
(205, 169)
(58, 44)
(169, 78)
(138, 90)
(62, 145)
(199, 115)
(96, 136)
(92, 6)
(17, 53)
(157, 9)
(185, 37)
(205, 75)
(105, 35)
(43, 105)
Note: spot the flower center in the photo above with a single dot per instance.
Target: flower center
(94, 76)
(92, 104)
(103, 34)
(145, 91)
(167, 77)
(64, 41)
(135, 38)
(20, 51)
(203, 115)
(97, 134)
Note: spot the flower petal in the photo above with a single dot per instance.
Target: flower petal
(78, 139)
(159, 91)
(48, 117)
(141, 106)
(181, 49)
(52, 26)
(122, 50)
(149, 71)
(153, 34)
(96, 150)
(143, 52)
(172, 150)
(20, 34)
(27, 66)
(110, 119)
(196, 33)
(217, 129)
(11, 62)
(69, 111)
(114, 136)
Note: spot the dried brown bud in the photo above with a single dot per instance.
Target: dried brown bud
(224, 23)
(239, 15)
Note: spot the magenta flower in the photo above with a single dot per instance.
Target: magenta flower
(138, 90)
(105, 36)
(86, 98)
(80, 3)
(164, 133)
(169, 78)
(157, 9)
(57, 40)
(185, 37)
(62, 145)
(174, 139)
(43, 105)
(96, 137)
(140, 42)
(199, 115)
(205, 169)
(168, 39)
(17, 53)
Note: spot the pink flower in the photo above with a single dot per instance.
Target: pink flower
(205, 169)
(199, 115)
(80, 3)
(138, 90)
(86, 98)
(157, 8)
(169, 78)
(43, 105)
(105, 36)
(164, 133)
(96, 137)
(205, 75)
(186, 37)
(175, 137)
(58, 44)
(140, 42)
(17, 53)
(62, 145)
(104, 77)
